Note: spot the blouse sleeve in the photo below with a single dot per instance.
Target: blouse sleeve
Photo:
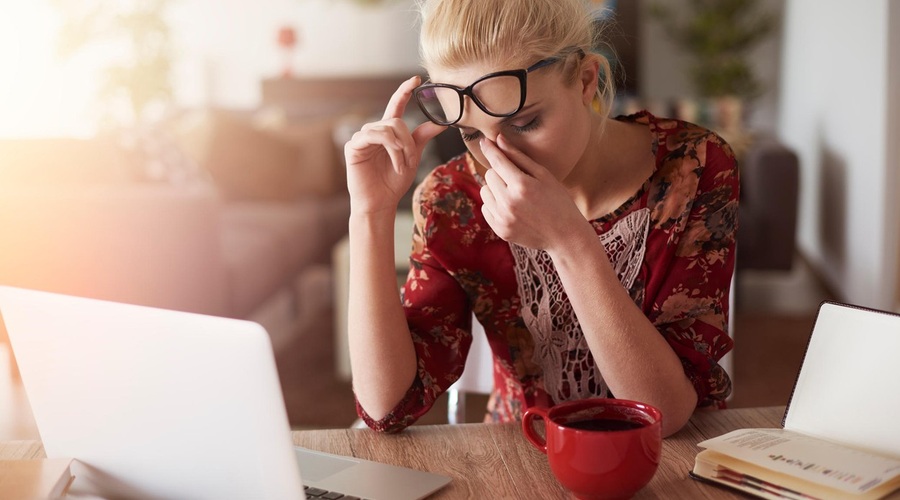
(691, 309)
(439, 317)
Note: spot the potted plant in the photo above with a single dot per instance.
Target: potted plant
(135, 39)
(718, 34)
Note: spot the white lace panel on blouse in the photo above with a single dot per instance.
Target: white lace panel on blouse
(560, 346)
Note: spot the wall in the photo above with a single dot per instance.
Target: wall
(893, 140)
(338, 37)
(223, 50)
(226, 47)
(837, 113)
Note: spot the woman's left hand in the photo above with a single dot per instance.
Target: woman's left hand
(523, 202)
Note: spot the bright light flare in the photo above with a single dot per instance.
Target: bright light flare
(41, 95)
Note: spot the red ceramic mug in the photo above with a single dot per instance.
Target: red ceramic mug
(599, 448)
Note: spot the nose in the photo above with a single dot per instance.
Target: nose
(474, 117)
(491, 134)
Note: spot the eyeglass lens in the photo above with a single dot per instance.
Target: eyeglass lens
(500, 95)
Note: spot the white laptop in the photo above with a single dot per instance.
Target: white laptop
(155, 403)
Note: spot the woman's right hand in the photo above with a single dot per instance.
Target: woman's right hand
(382, 158)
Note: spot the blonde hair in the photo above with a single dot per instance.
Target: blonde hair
(517, 33)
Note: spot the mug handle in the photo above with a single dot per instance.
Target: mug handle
(528, 427)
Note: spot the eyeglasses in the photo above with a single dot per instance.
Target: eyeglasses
(499, 94)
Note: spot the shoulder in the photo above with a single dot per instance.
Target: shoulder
(692, 162)
(693, 145)
(688, 150)
(675, 139)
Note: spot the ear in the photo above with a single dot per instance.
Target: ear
(589, 77)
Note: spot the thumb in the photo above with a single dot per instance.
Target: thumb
(421, 135)
(426, 132)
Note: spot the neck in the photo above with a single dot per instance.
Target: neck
(616, 162)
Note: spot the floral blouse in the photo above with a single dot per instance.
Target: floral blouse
(671, 244)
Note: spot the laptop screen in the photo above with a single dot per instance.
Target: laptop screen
(153, 403)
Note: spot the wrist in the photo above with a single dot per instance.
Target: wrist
(575, 245)
(375, 222)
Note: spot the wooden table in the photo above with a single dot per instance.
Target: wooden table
(495, 460)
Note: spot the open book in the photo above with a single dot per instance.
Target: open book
(841, 428)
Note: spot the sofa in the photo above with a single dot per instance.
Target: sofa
(213, 215)
(769, 209)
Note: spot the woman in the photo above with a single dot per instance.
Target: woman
(596, 252)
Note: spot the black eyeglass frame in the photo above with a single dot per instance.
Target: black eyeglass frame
(521, 74)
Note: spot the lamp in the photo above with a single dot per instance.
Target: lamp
(287, 41)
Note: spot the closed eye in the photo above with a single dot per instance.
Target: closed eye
(528, 127)
(469, 136)
(521, 129)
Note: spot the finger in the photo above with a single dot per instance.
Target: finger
(493, 181)
(400, 149)
(411, 151)
(500, 163)
(380, 137)
(374, 137)
(397, 105)
(488, 206)
(398, 159)
(396, 128)
(420, 137)
(487, 197)
(520, 159)
(426, 132)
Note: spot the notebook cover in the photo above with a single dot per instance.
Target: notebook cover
(848, 385)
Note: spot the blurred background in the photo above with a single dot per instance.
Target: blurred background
(187, 154)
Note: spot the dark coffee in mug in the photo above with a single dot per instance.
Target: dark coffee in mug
(606, 461)
(603, 424)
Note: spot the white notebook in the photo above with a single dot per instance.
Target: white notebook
(848, 388)
(840, 437)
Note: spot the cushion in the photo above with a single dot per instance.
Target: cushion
(252, 160)
(291, 226)
(256, 266)
(245, 163)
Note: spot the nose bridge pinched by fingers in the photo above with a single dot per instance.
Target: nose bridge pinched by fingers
(498, 161)
(474, 117)
(517, 156)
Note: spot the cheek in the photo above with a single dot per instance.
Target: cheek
(552, 147)
(564, 143)
(475, 150)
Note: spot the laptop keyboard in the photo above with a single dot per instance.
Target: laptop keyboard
(326, 495)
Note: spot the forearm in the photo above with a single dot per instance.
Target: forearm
(382, 356)
(635, 360)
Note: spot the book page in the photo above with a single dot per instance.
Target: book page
(816, 460)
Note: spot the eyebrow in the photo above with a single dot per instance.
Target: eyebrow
(504, 121)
